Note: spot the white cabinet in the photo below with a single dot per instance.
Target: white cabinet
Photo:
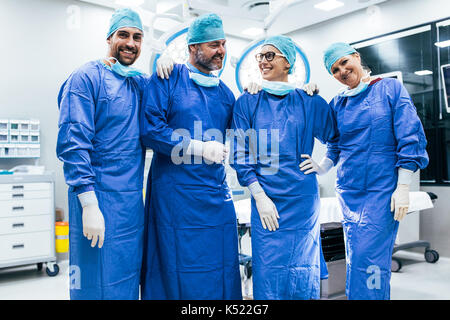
(25, 246)
(27, 220)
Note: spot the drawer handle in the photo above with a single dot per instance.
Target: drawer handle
(18, 246)
(18, 195)
(17, 187)
(18, 225)
(18, 208)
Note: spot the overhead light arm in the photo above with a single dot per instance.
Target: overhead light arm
(270, 19)
(157, 45)
(223, 10)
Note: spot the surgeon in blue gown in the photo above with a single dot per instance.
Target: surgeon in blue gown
(281, 122)
(381, 143)
(192, 243)
(98, 142)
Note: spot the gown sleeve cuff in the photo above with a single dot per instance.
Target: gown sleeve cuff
(333, 156)
(82, 189)
(195, 148)
(326, 164)
(255, 188)
(404, 176)
(88, 198)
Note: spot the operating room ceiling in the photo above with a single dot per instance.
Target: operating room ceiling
(243, 18)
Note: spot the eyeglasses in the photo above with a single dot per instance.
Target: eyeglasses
(270, 55)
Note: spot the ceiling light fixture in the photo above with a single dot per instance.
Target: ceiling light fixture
(252, 31)
(328, 5)
(442, 44)
(423, 72)
(130, 3)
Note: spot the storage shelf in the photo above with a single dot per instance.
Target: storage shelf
(20, 150)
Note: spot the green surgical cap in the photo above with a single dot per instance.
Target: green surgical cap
(334, 52)
(286, 47)
(206, 28)
(122, 18)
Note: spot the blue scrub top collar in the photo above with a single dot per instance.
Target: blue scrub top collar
(102, 62)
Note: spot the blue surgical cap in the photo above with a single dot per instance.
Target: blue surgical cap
(206, 28)
(286, 47)
(334, 52)
(122, 18)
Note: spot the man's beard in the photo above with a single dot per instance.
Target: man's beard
(208, 64)
(125, 62)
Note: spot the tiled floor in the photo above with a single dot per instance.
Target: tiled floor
(416, 280)
(419, 280)
(26, 283)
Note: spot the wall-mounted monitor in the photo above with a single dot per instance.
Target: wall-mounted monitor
(445, 73)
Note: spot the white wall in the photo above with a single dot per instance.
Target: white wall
(38, 54)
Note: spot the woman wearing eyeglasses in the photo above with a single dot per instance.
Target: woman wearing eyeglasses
(274, 130)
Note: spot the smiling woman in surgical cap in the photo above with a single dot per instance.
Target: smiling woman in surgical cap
(286, 46)
(285, 201)
(381, 144)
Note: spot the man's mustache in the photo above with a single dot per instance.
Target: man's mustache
(217, 56)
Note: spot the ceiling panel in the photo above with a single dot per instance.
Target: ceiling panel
(275, 16)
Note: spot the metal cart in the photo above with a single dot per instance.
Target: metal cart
(430, 255)
(27, 221)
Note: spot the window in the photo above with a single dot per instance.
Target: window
(418, 57)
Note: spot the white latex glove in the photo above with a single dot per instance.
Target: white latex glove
(267, 211)
(92, 218)
(311, 88)
(164, 66)
(400, 197)
(310, 166)
(215, 151)
(253, 88)
(210, 150)
(266, 208)
(400, 201)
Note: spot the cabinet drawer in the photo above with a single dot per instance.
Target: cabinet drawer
(25, 194)
(18, 208)
(16, 225)
(26, 245)
(20, 187)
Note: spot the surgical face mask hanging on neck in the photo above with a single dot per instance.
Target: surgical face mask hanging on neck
(124, 71)
(362, 86)
(202, 79)
(277, 88)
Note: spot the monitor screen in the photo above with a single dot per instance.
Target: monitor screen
(445, 72)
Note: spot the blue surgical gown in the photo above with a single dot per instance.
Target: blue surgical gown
(286, 262)
(192, 241)
(98, 142)
(379, 131)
